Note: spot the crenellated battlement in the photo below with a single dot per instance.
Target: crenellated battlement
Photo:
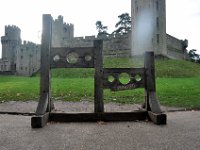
(12, 30)
(12, 33)
(61, 30)
(59, 19)
(28, 43)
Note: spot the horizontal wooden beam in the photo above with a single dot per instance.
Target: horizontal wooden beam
(93, 117)
(79, 57)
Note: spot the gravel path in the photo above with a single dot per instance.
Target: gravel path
(61, 106)
(182, 132)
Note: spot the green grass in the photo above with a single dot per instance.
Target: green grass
(18, 88)
(182, 92)
(177, 85)
(176, 69)
(164, 68)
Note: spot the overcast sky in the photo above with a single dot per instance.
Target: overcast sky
(183, 16)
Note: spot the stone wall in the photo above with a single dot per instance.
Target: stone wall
(5, 65)
(61, 31)
(176, 49)
(148, 26)
(28, 59)
(11, 42)
(24, 59)
(118, 46)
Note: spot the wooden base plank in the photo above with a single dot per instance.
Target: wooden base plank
(159, 119)
(124, 116)
(39, 121)
(93, 117)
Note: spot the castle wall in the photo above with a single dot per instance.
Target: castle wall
(11, 42)
(5, 65)
(24, 59)
(61, 31)
(112, 46)
(28, 59)
(176, 49)
(148, 26)
(118, 46)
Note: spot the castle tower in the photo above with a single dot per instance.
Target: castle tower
(148, 26)
(61, 31)
(11, 42)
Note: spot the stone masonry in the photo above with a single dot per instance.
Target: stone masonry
(24, 58)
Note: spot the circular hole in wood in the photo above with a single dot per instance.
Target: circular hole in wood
(72, 58)
(124, 78)
(111, 79)
(138, 77)
(88, 57)
(56, 58)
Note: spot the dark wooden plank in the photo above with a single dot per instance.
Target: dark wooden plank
(74, 117)
(93, 117)
(85, 57)
(149, 66)
(149, 77)
(116, 85)
(98, 79)
(39, 121)
(124, 70)
(154, 104)
(45, 66)
(159, 119)
(124, 116)
(150, 88)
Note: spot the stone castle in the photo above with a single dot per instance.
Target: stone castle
(24, 58)
(149, 30)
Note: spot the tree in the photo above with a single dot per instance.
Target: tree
(102, 30)
(123, 25)
(194, 57)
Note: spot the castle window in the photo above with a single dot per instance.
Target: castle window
(1, 67)
(157, 23)
(21, 57)
(21, 68)
(65, 29)
(158, 38)
(157, 6)
(137, 9)
(22, 50)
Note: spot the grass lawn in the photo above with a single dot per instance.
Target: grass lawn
(181, 92)
(177, 84)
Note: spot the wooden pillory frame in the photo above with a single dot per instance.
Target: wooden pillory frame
(91, 57)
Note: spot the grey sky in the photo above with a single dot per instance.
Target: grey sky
(183, 16)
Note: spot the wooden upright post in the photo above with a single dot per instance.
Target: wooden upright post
(98, 82)
(44, 102)
(150, 87)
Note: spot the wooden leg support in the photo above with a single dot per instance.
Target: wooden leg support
(159, 119)
(39, 121)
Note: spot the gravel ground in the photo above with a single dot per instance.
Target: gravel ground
(182, 132)
(61, 106)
